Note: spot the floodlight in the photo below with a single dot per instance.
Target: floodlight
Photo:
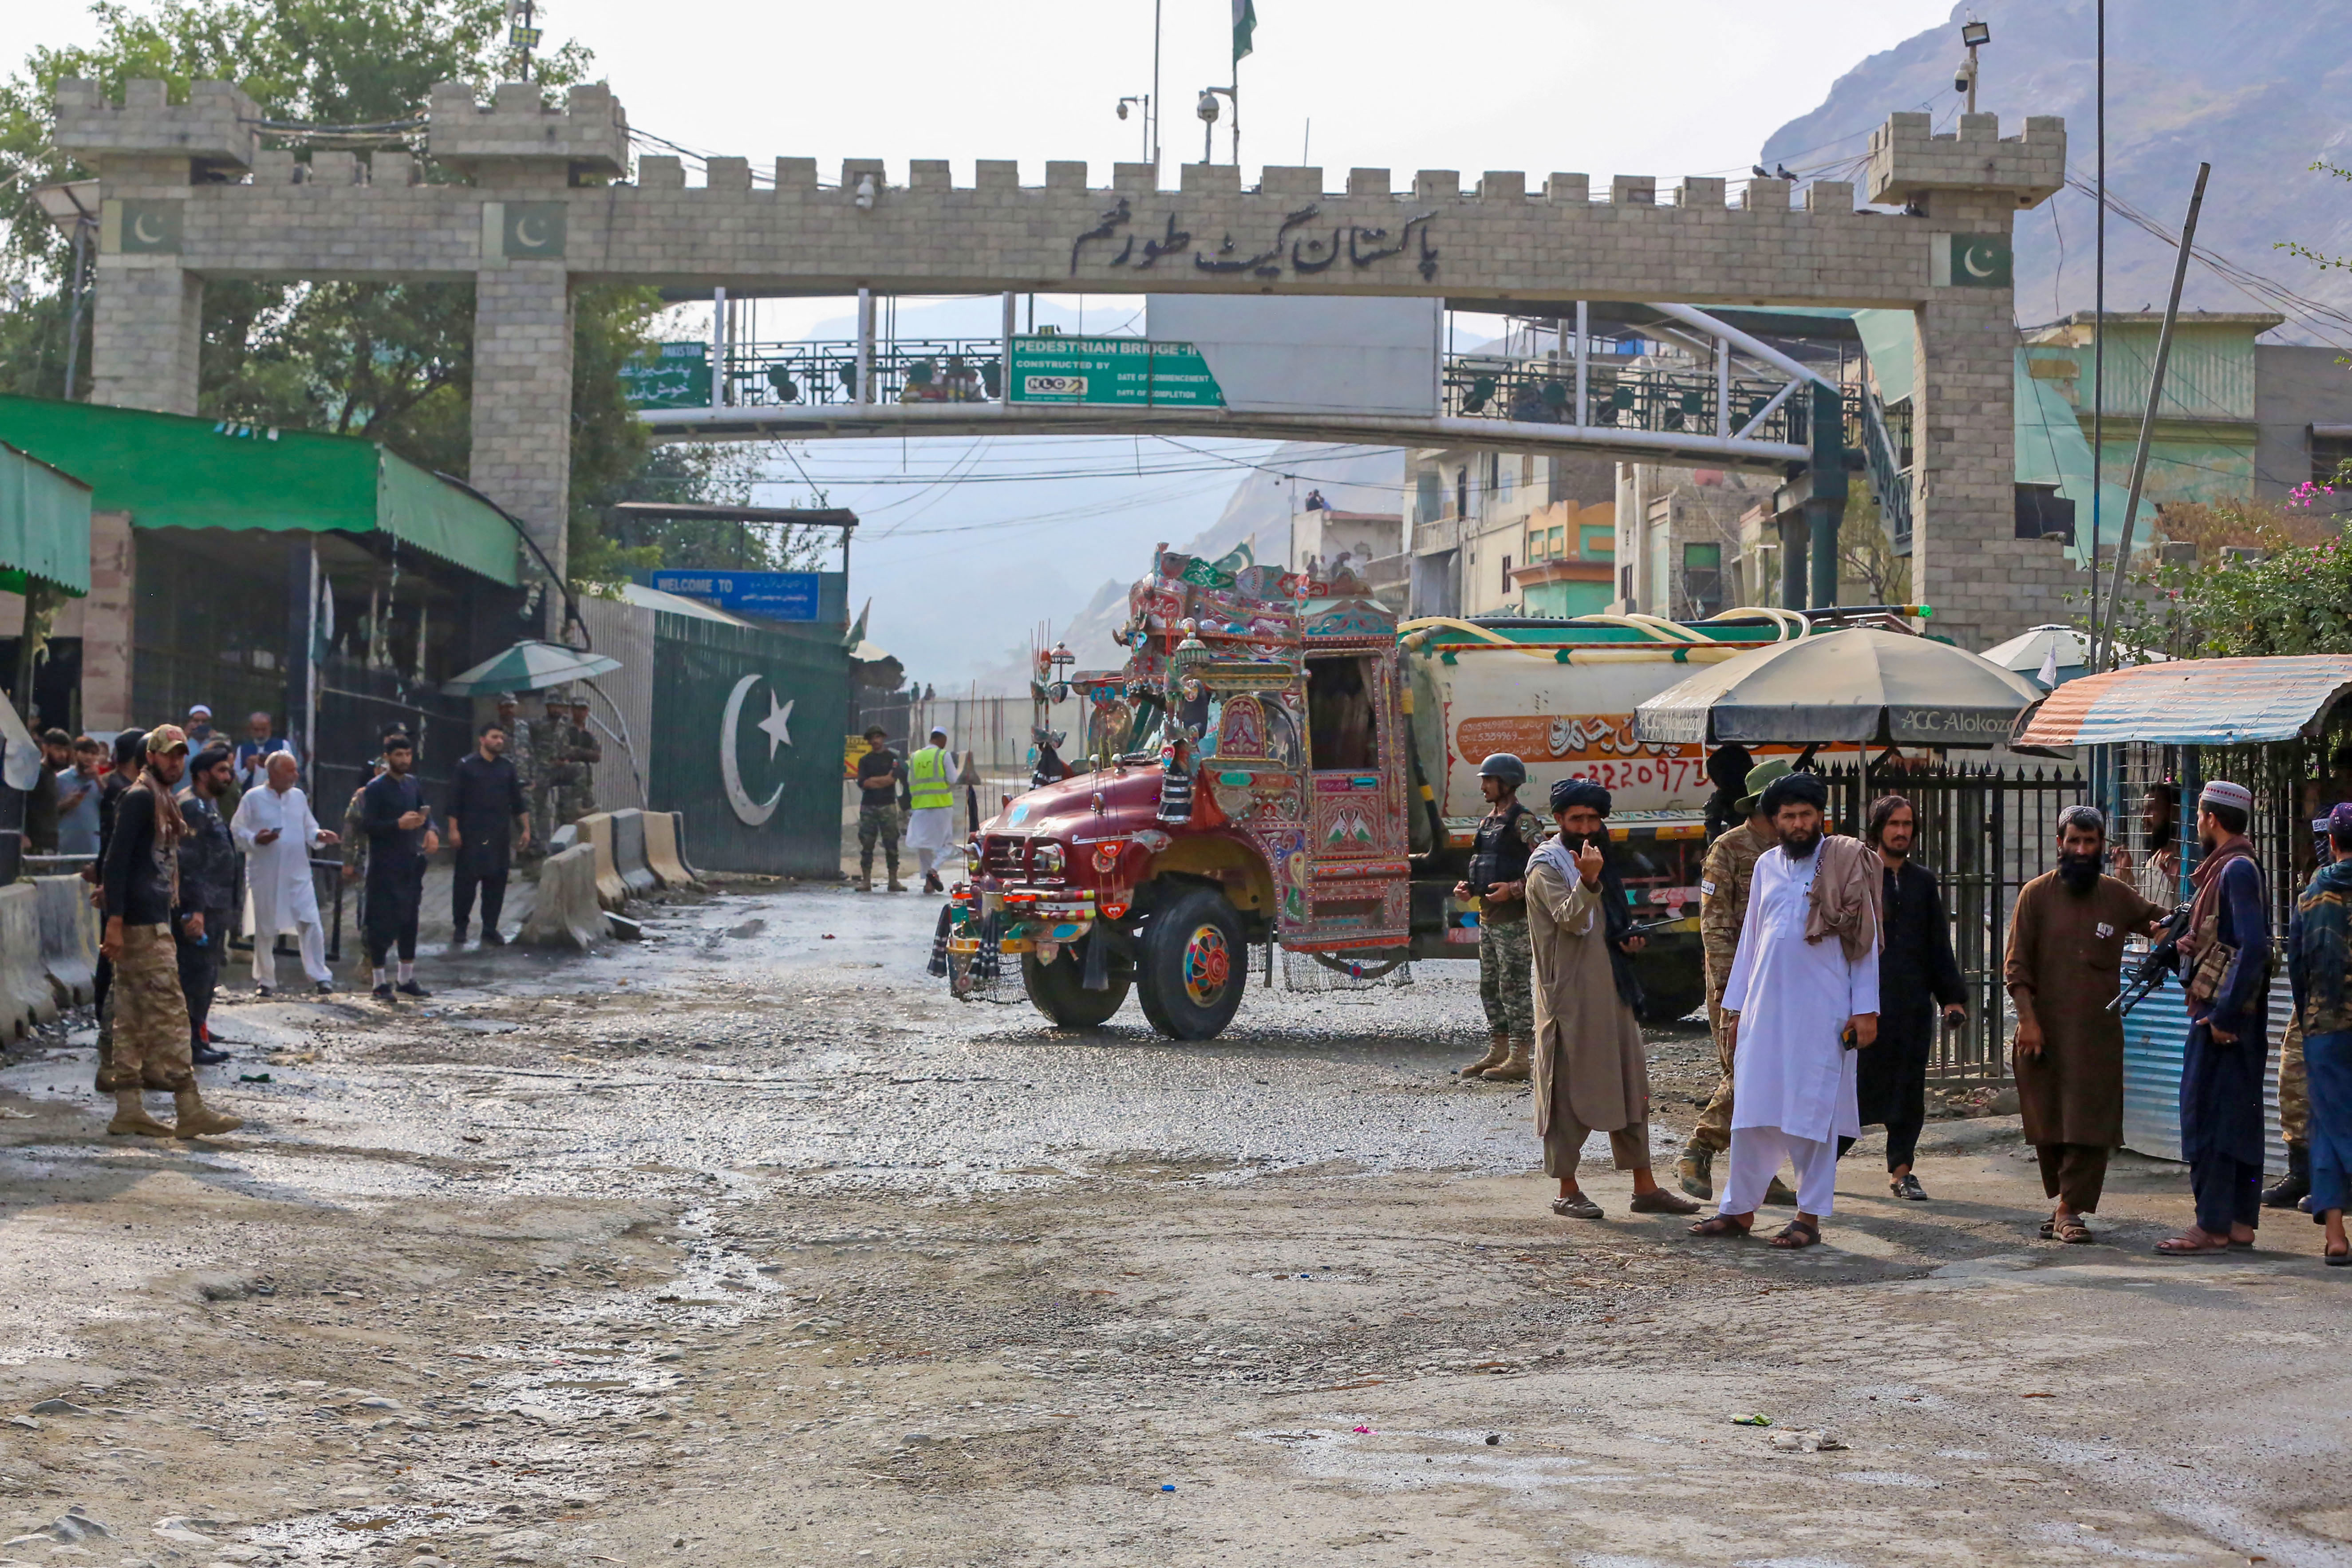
(1975, 35)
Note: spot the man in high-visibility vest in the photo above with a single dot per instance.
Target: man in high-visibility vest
(931, 800)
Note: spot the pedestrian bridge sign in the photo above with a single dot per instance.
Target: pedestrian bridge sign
(1132, 372)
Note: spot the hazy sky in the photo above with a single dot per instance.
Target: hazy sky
(1682, 87)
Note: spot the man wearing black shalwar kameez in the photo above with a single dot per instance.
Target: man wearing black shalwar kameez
(1916, 971)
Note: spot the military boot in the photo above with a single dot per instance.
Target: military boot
(196, 1119)
(1498, 1051)
(2295, 1185)
(1779, 1192)
(895, 886)
(1515, 1067)
(866, 875)
(1695, 1171)
(131, 1115)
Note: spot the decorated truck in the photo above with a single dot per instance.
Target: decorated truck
(1280, 764)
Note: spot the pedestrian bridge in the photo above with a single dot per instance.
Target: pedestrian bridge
(1660, 383)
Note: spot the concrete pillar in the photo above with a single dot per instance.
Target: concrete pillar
(1970, 183)
(145, 337)
(106, 625)
(522, 398)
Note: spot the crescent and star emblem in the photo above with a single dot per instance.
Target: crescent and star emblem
(777, 726)
(138, 230)
(531, 233)
(1992, 257)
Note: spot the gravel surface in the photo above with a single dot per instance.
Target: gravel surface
(748, 1245)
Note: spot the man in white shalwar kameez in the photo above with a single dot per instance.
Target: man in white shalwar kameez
(1792, 997)
(275, 828)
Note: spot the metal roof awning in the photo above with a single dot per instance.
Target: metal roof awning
(171, 470)
(2193, 703)
(43, 525)
(698, 512)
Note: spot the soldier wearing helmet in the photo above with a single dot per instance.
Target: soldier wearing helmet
(1498, 880)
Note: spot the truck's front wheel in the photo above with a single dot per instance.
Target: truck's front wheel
(1059, 990)
(1188, 973)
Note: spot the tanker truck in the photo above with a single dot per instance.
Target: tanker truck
(1279, 763)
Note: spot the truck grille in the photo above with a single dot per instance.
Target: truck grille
(1002, 856)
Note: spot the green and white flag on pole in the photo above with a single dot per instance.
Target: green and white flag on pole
(1244, 24)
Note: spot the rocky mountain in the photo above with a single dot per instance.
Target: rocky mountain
(2255, 86)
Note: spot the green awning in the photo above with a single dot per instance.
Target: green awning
(168, 470)
(43, 525)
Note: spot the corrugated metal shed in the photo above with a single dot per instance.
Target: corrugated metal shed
(2193, 703)
(2156, 1039)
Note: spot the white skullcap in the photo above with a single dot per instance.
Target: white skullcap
(2221, 792)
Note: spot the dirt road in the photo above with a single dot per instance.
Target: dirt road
(748, 1246)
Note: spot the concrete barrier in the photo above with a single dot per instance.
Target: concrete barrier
(568, 913)
(678, 834)
(629, 852)
(662, 829)
(596, 831)
(69, 927)
(25, 998)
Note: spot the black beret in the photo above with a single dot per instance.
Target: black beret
(1567, 794)
(1795, 789)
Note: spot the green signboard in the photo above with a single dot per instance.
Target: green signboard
(670, 376)
(1130, 371)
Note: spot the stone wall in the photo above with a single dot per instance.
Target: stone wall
(188, 195)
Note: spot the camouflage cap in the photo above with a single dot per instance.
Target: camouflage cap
(166, 738)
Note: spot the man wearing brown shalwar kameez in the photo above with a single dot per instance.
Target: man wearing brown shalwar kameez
(1590, 1075)
(2064, 966)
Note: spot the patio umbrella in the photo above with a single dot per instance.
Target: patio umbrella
(1860, 687)
(2052, 654)
(530, 666)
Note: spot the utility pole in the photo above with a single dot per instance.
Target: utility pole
(1151, 110)
(2099, 320)
(2147, 423)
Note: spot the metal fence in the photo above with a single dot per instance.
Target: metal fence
(1985, 834)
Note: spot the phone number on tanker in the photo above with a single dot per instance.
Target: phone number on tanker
(1660, 773)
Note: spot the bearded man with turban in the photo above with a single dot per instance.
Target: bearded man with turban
(1590, 1075)
(1804, 997)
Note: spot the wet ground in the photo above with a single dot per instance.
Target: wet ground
(748, 1246)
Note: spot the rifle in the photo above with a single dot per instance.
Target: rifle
(2161, 959)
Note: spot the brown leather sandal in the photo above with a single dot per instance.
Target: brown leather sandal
(1798, 1235)
(1722, 1225)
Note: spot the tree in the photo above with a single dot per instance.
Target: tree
(2255, 579)
(391, 361)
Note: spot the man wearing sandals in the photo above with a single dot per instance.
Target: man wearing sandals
(2226, 957)
(1589, 1073)
(2064, 968)
(1803, 997)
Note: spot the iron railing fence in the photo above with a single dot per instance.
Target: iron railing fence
(1985, 833)
(2292, 784)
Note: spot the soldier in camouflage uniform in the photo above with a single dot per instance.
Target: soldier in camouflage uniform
(582, 750)
(1498, 880)
(546, 743)
(1723, 882)
(519, 730)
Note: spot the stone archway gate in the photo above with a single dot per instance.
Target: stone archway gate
(189, 195)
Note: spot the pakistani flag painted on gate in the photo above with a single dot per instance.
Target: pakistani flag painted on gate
(1244, 24)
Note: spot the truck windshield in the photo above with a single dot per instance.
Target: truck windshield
(1143, 737)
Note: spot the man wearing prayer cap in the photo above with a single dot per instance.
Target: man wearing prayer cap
(1590, 1075)
(2226, 962)
(1804, 997)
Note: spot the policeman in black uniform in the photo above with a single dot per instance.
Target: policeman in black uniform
(1498, 880)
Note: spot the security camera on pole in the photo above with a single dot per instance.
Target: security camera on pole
(1974, 35)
